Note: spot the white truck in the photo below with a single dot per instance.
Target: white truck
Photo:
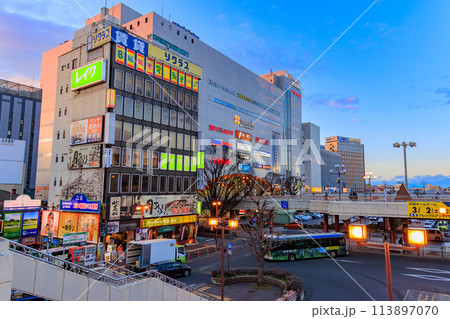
(145, 253)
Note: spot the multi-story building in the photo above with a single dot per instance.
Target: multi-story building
(330, 160)
(352, 152)
(20, 113)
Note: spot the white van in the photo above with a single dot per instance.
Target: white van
(434, 234)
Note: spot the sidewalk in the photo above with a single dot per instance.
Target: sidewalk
(242, 292)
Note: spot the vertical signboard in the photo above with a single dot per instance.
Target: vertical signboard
(166, 73)
(188, 81)
(110, 99)
(173, 76)
(131, 58)
(181, 78)
(195, 84)
(149, 66)
(120, 54)
(140, 62)
(158, 69)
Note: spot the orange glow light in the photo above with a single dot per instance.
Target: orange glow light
(232, 223)
(417, 237)
(442, 210)
(213, 222)
(357, 232)
(138, 207)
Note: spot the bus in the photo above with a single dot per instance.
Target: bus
(304, 246)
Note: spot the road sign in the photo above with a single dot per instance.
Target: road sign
(428, 210)
(229, 249)
(284, 204)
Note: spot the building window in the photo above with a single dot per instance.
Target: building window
(62, 158)
(57, 135)
(180, 99)
(186, 184)
(116, 156)
(65, 110)
(60, 181)
(9, 133)
(178, 32)
(157, 92)
(127, 131)
(118, 79)
(145, 183)
(172, 139)
(148, 88)
(156, 137)
(139, 85)
(147, 135)
(61, 90)
(129, 83)
(74, 63)
(113, 183)
(59, 113)
(138, 109)
(138, 23)
(118, 131)
(145, 159)
(193, 185)
(128, 109)
(125, 183)
(136, 158)
(64, 134)
(163, 184)
(188, 101)
(56, 158)
(187, 122)
(137, 134)
(126, 157)
(147, 112)
(194, 123)
(173, 118)
(173, 96)
(165, 94)
(155, 160)
(170, 27)
(194, 103)
(165, 116)
(179, 184)
(180, 122)
(54, 182)
(20, 135)
(187, 142)
(118, 109)
(180, 141)
(192, 40)
(154, 187)
(146, 20)
(67, 88)
(156, 114)
(135, 183)
(171, 184)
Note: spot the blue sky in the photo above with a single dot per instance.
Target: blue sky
(386, 80)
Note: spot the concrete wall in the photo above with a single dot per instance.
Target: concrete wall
(6, 266)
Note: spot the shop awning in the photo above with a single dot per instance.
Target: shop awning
(166, 229)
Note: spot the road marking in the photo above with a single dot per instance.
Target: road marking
(192, 285)
(204, 288)
(428, 277)
(350, 261)
(430, 270)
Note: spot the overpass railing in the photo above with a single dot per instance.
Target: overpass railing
(102, 271)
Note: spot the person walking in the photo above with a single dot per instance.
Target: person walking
(384, 237)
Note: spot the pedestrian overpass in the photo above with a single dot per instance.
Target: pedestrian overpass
(39, 274)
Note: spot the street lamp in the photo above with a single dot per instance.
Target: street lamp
(369, 176)
(339, 171)
(416, 237)
(216, 204)
(404, 144)
(232, 224)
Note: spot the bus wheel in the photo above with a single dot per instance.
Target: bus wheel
(437, 239)
(333, 254)
(291, 257)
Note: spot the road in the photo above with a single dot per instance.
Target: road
(357, 277)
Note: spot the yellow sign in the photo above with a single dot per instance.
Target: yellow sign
(166, 72)
(195, 84)
(171, 220)
(428, 210)
(101, 37)
(131, 56)
(149, 67)
(110, 98)
(120, 54)
(174, 61)
(316, 190)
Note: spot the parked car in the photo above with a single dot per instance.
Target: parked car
(317, 215)
(172, 268)
(428, 224)
(434, 234)
(373, 218)
(293, 225)
(303, 217)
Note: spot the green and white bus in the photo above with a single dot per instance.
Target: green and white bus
(304, 246)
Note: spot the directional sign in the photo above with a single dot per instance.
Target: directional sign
(284, 204)
(429, 210)
(229, 248)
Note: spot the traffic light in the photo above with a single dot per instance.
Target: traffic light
(13, 191)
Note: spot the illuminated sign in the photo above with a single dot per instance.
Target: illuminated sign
(296, 94)
(244, 168)
(89, 75)
(80, 203)
(243, 156)
(316, 190)
(120, 54)
(263, 141)
(110, 98)
(428, 210)
(86, 131)
(243, 136)
(149, 66)
(166, 72)
(221, 161)
(174, 61)
(131, 58)
(140, 62)
(118, 36)
(220, 130)
(242, 123)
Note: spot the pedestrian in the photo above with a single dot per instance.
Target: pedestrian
(384, 237)
(400, 241)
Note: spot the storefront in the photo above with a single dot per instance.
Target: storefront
(181, 227)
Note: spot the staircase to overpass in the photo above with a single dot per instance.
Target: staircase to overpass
(36, 273)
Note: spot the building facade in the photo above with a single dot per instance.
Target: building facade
(20, 113)
(352, 152)
(330, 160)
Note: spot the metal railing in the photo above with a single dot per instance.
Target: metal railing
(102, 271)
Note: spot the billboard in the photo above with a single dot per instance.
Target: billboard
(49, 218)
(87, 130)
(80, 203)
(89, 75)
(243, 136)
(68, 223)
(84, 156)
(167, 205)
(89, 223)
(12, 160)
(174, 61)
(30, 223)
(11, 224)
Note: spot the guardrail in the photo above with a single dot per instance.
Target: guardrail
(102, 267)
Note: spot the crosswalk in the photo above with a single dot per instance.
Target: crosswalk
(432, 274)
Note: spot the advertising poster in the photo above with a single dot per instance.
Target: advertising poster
(140, 61)
(181, 78)
(52, 218)
(130, 58)
(158, 69)
(149, 66)
(30, 223)
(68, 223)
(11, 224)
(84, 156)
(195, 84)
(120, 54)
(173, 76)
(166, 73)
(110, 100)
(86, 131)
(188, 81)
(89, 223)
(167, 205)
(114, 209)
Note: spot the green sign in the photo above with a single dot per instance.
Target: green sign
(200, 160)
(166, 229)
(172, 161)
(199, 208)
(186, 164)
(73, 238)
(193, 163)
(179, 162)
(163, 160)
(89, 75)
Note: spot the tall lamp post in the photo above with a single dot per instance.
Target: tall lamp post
(216, 204)
(404, 144)
(368, 177)
(217, 224)
(339, 171)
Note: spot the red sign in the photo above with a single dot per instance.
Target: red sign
(243, 136)
(296, 94)
(222, 161)
(220, 130)
(266, 166)
(262, 140)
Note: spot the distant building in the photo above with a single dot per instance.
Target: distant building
(330, 159)
(20, 110)
(312, 161)
(433, 188)
(352, 152)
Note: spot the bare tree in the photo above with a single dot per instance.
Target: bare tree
(257, 238)
(292, 185)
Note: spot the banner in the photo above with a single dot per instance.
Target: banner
(88, 130)
(30, 223)
(158, 69)
(89, 223)
(52, 218)
(120, 54)
(68, 223)
(131, 58)
(179, 162)
(172, 162)
(140, 61)
(195, 84)
(84, 156)
(166, 73)
(149, 66)
(110, 99)
(173, 76)
(181, 78)
(166, 205)
(74, 238)
(188, 81)
(21, 203)
(11, 224)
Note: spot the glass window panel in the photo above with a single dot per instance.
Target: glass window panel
(154, 188)
(157, 92)
(128, 109)
(171, 184)
(125, 183)
(187, 142)
(193, 185)
(188, 101)
(155, 160)
(180, 122)
(179, 184)
(147, 135)
(165, 94)
(118, 131)
(136, 158)
(115, 156)
(137, 134)
(139, 85)
(193, 143)
(145, 159)
(173, 118)
(129, 83)
(145, 183)
(172, 139)
(163, 184)
(195, 123)
(194, 103)
(118, 79)
(187, 121)
(156, 114)
(148, 88)
(126, 157)
(156, 137)
(180, 99)
(186, 184)
(118, 109)
(165, 116)
(164, 138)
(127, 131)
(113, 183)
(138, 109)
(180, 141)
(148, 112)
(135, 179)
(173, 96)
